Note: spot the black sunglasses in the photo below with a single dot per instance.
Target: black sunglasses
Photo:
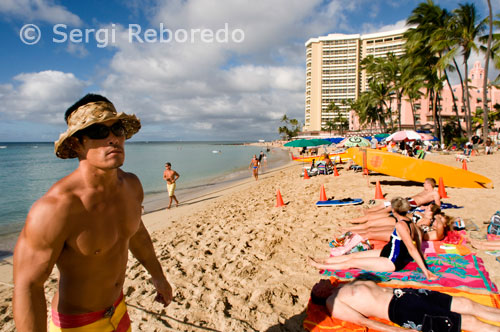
(100, 131)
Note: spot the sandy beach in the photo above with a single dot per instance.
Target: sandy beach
(238, 263)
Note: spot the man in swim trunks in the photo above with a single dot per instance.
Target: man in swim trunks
(414, 309)
(427, 196)
(171, 176)
(254, 164)
(86, 224)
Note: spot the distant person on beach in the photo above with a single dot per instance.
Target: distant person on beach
(171, 177)
(394, 256)
(427, 196)
(86, 224)
(254, 165)
(328, 162)
(412, 309)
(487, 146)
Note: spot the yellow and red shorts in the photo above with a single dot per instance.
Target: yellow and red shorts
(113, 319)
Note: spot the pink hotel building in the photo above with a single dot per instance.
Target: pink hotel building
(333, 73)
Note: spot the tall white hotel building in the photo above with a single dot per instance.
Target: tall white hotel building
(334, 72)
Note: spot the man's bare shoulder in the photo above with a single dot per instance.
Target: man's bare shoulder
(50, 215)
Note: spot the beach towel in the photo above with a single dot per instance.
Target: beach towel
(492, 237)
(348, 243)
(318, 320)
(465, 272)
(455, 244)
(116, 318)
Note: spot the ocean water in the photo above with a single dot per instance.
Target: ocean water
(28, 170)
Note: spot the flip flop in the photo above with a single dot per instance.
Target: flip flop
(498, 259)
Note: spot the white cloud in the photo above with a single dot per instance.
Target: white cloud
(203, 90)
(218, 90)
(40, 97)
(39, 10)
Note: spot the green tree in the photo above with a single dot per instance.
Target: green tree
(486, 65)
(464, 29)
(286, 132)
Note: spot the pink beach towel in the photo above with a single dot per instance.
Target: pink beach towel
(466, 272)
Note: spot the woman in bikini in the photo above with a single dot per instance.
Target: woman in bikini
(393, 257)
(432, 222)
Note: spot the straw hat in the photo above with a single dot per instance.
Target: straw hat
(87, 115)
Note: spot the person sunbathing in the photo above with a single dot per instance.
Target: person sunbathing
(433, 224)
(393, 257)
(428, 195)
(485, 245)
(414, 309)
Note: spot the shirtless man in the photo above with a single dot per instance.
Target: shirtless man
(426, 196)
(86, 224)
(254, 164)
(414, 309)
(171, 176)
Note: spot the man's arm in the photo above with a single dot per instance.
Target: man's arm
(437, 199)
(345, 312)
(142, 248)
(38, 247)
(176, 176)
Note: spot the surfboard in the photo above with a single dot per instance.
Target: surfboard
(417, 169)
(340, 202)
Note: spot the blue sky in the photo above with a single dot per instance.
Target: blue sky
(227, 89)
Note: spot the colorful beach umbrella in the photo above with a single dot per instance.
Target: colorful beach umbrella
(301, 143)
(427, 137)
(404, 135)
(354, 141)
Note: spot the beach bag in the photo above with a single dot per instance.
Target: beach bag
(494, 226)
(349, 243)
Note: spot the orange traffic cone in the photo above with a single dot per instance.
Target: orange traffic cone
(306, 174)
(464, 164)
(473, 153)
(365, 171)
(378, 191)
(441, 190)
(335, 172)
(279, 199)
(322, 194)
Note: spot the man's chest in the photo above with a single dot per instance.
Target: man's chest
(104, 225)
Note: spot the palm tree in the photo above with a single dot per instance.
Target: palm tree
(485, 78)
(286, 132)
(367, 110)
(379, 87)
(464, 30)
(332, 109)
(427, 43)
(330, 125)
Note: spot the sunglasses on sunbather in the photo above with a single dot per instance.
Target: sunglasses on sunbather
(100, 131)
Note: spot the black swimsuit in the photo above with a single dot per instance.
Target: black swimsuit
(396, 250)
